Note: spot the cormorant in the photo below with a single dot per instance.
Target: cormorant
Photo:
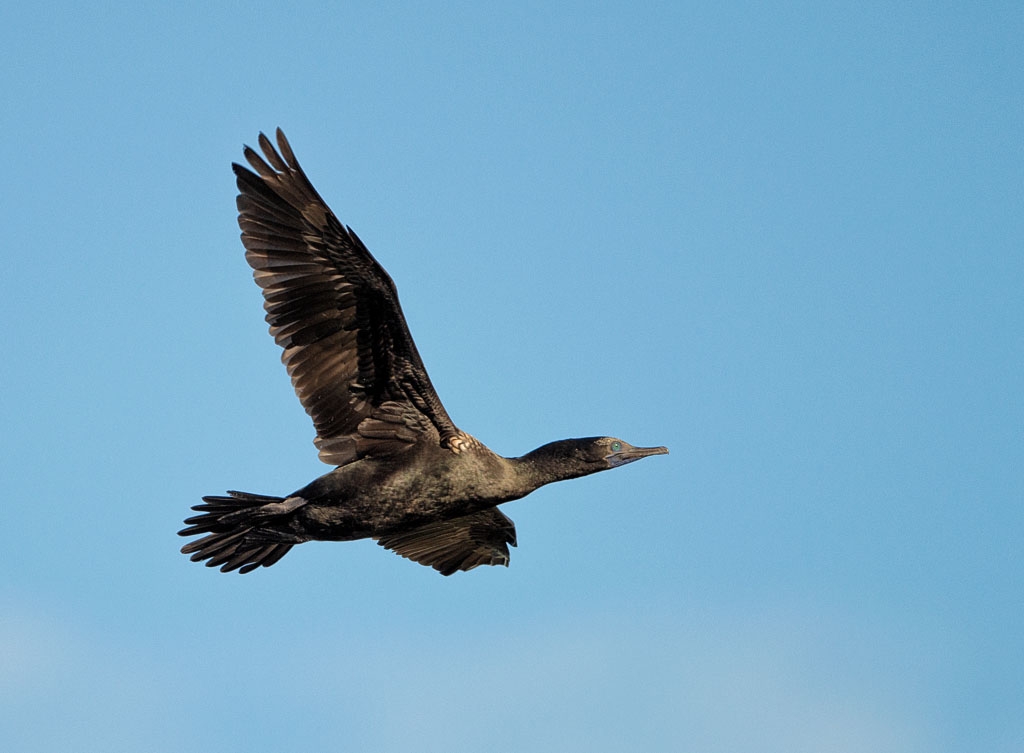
(405, 475)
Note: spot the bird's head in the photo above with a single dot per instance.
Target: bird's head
(615, 452)
(570, 458)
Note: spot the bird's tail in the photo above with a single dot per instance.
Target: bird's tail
(240, 531)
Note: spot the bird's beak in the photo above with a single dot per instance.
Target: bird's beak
(628, 454)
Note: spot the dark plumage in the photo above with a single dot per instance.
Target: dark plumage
(405, 476)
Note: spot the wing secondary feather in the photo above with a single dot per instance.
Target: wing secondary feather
(459, 544)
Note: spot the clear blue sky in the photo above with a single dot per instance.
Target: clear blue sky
(787, 241)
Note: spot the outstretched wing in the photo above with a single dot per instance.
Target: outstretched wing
(459, 544)
(335, 312)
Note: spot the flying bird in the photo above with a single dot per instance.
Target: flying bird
(404, 474)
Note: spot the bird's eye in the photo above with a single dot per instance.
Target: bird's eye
(616, 446)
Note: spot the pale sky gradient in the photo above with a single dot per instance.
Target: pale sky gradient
(785, 240)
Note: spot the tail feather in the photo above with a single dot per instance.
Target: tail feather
(240, 535)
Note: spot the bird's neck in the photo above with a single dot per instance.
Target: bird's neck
(535, 469)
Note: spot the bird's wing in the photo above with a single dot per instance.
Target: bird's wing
(458, 544)
(335, 312)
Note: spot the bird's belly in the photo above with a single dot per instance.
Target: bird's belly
(342, 508)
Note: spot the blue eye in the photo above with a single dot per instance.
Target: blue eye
(616, 446)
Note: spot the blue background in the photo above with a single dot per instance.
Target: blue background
(785, 240)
